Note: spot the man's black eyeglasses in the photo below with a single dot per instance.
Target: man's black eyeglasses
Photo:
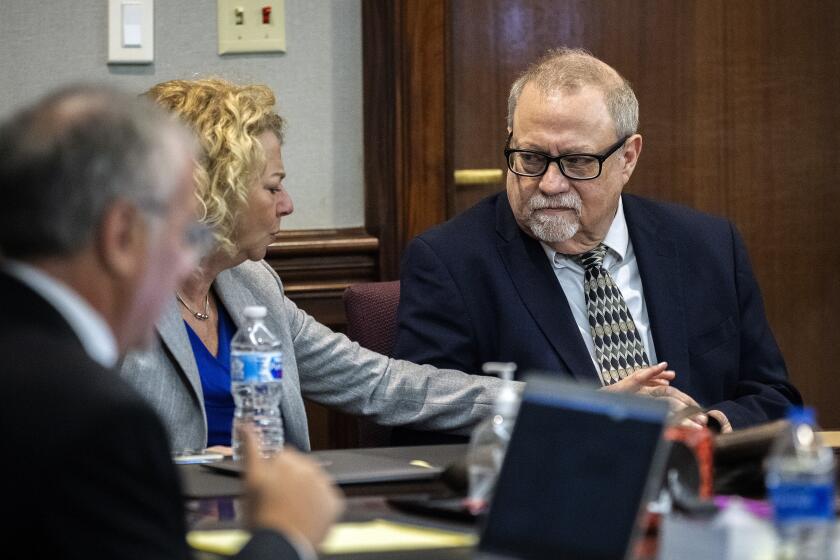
(579, 167)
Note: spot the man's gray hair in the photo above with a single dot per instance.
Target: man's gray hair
(568, 70)
(66, 158)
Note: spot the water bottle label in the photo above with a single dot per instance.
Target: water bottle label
(256, 366)
(793, 501)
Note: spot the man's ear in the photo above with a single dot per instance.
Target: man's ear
(121, 241)
(630, 155)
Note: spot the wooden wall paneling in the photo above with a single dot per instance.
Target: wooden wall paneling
(475, 107)
(404, 100)
(783, 193)
(422, 162)
(317, 265)
(379, 39)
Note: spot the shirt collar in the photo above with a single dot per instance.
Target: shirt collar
(88, 325)
(616, 240)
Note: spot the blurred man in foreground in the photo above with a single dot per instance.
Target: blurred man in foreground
(97, 228)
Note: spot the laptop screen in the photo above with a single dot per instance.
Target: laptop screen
(575, 474)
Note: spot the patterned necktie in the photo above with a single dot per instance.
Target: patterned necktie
(618, 347)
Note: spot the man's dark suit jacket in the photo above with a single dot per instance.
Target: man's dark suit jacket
(88, 471)
(478, 289)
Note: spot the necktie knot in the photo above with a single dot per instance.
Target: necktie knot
(594, 258)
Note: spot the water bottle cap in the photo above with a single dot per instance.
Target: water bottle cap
(802, 415)
(503, 369)
(255, 312)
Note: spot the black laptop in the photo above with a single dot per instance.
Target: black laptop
(579, 467)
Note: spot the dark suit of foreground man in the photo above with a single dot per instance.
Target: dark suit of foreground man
(501, 281)
(95, 225)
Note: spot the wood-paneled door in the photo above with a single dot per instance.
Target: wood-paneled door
(740, 113)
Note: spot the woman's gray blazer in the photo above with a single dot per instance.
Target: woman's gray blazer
(323, 365)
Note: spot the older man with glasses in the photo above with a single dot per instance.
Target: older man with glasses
(565, 273)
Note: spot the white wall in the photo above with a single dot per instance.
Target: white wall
(318, 81)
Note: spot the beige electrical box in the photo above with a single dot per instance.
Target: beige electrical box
(249, 26)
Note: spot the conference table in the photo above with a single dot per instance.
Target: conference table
(212, 501)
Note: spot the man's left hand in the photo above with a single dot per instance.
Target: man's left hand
(720, 417)
(678, 401)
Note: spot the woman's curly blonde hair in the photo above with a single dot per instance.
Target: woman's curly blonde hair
(227, 118)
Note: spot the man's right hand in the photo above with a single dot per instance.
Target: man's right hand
(643, 380)
(288, 492)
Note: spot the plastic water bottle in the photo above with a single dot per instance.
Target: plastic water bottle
(800, 485)
(490, 438)
(256, 369)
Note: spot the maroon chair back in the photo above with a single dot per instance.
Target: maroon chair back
(371, 310)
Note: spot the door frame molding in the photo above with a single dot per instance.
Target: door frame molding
(404, 65)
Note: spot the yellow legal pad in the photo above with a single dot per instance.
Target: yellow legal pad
(831, 439)
(345, 538)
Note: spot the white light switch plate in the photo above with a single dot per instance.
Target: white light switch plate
(131, 31)
(251, 35)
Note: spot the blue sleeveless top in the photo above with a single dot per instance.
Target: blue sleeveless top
(215, 379)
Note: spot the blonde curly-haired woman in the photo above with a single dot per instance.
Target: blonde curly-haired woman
(239, 186)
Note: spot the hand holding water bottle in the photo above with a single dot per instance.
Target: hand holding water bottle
(287, 492)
